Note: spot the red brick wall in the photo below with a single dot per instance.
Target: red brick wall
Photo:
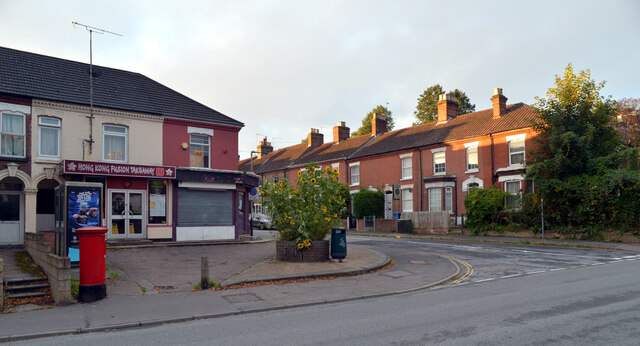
(224, 144)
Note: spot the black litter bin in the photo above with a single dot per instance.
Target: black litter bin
(338, 243)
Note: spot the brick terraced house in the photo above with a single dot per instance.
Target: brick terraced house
(434, 164)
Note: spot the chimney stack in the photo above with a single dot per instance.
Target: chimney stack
(378, 124)
(264, 148)
(340, 132)
(447, 107)
(315, 138)
(499, 103)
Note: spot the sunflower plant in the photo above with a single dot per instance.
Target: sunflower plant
(305, 211)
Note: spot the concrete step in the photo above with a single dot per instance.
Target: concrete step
(22, 288)
(26, 295)
(120, 242)
(24, 281)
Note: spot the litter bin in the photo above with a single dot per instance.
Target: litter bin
(404, 226)
(338, 243)
(396, 215)
(92, 263)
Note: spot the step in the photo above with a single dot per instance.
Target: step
(27, 295)
(21, 288)
(23, 281)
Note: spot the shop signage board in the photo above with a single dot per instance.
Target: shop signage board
(117, 169)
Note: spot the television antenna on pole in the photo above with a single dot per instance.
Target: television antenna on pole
(91, 30)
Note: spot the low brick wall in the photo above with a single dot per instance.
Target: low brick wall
(288, 251)
(1, 283)
(57, 269)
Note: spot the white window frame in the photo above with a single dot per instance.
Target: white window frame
(202, 135)
(106, 133)
(432, 192)
(41, 126)
(407, 200)
(23, 134)
(517, 197)
(406, 166)
(444, 157)
(473, 146)
(448, 199)
(510, 140)
(352, 176)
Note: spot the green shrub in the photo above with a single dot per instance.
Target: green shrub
(484, 206)
(368, 203)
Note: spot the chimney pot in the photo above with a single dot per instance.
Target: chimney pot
(378, 124)
(315, 138)
(499, 103)
(447, 107)
(264, 148)
(340, 132)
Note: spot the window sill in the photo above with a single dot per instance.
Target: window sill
(475, 170)
(47, 160)
(441, 173)
(14, 158)
(407, 178)
(354, 185)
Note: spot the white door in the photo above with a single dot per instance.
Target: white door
(127, 214)
(388, 205)
(11, 218)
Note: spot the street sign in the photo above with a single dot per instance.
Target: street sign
(396, 192)
(254, 194)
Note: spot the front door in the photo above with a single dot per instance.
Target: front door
(127, 214)
(388, 205)
(11, 218)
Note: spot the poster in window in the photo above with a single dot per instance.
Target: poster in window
(83, 210)
(157, 205)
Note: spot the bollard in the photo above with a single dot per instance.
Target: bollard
(204, 272)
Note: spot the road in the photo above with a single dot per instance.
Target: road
(514, 294)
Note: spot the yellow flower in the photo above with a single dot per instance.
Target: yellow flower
(300, 246)
(335, 215)
(307, 243)
(324, 209)
(327, 218)
(313, 180)
(336, 171)
(299, 173)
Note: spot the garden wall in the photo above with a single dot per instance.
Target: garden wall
(57, 269)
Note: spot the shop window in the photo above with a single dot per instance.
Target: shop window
(114, 143)
(12, 134)
(157, 202)
(49, 137)
(200, 149)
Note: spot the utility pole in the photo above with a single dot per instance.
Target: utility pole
(91, 29)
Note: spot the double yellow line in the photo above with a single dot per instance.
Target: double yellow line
(466, 275)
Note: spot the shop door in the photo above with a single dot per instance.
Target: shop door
(11, 218)
(127, 214)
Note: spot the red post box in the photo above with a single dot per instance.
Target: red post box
(92, 263)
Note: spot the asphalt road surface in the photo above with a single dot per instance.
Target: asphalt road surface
(513, 294)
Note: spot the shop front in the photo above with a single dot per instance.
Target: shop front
(137, 198)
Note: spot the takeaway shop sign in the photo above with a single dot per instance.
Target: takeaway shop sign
(117, 169)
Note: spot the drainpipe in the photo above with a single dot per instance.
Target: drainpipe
(492, 162)
(420, 181)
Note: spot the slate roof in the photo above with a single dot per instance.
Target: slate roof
(518, 116)
(48, 78)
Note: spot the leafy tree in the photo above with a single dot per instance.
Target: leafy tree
(368, 203)
(366, 122)
(586, 177)
(629, 110)
(574, 127)
(427, 109)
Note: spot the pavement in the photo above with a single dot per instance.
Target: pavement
(153, 285)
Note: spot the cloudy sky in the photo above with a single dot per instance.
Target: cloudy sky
(282, 67)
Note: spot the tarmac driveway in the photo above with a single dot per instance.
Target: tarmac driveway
(153, 270)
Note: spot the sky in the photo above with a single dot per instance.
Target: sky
(283, 67)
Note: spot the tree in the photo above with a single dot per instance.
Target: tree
(629, 110)
(366, 122)
(579, 165)
(574, 127)
(427, 109)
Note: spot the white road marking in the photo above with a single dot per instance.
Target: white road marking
(557, 269)
(596, 264)
(510, 276)
(485, 280)
(536, 272)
